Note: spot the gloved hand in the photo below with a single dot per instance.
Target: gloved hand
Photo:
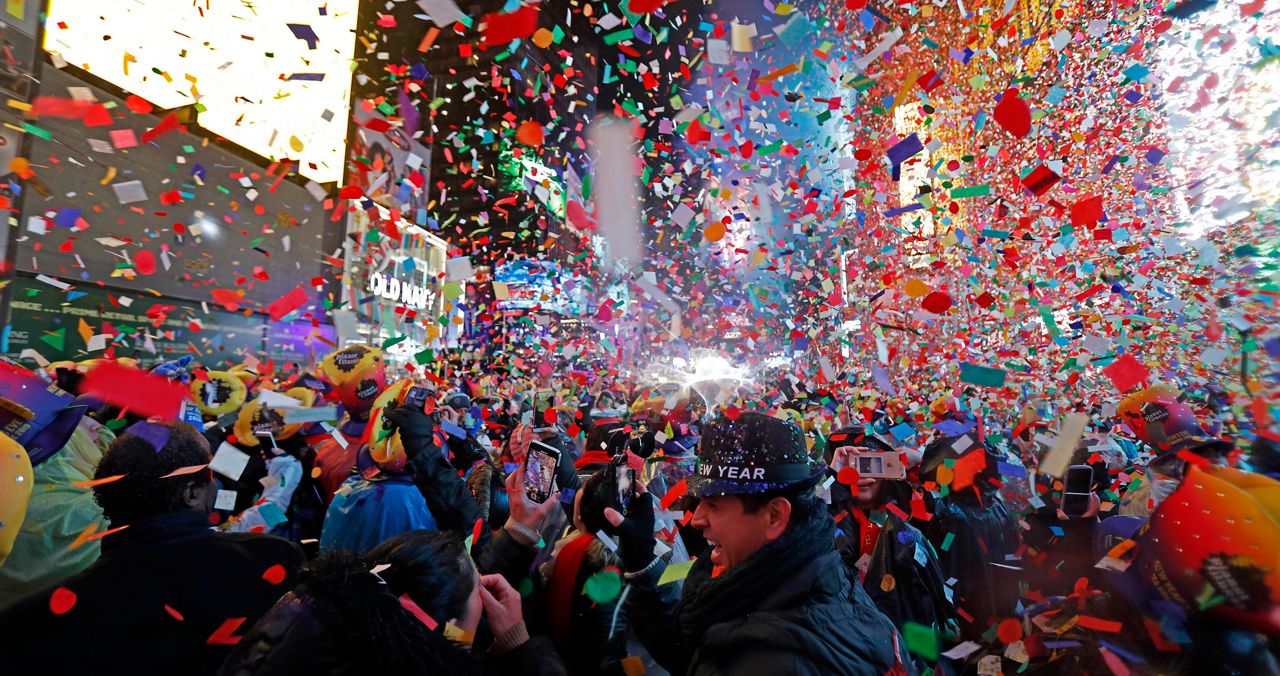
(635, 531)
(417, 430)
(177, 369)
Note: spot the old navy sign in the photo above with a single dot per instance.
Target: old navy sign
(392, 289)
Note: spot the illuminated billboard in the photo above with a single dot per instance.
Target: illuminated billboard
(272, 76)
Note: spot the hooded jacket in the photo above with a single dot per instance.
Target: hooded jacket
(341, 620)
(790, 608)
(167, 596)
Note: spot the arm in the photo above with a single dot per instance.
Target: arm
(446, 494)
(651, 609)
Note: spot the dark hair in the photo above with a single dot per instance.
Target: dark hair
(804, 501)
(596, 495)
(432, 567)
(141, 492)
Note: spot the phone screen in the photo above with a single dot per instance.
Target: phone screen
(539, 473)
(626, 478)
(870, 465)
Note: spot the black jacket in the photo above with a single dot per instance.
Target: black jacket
(162, 589)
(983, 534)
(791, 608)
(340, 620)
(904, 578)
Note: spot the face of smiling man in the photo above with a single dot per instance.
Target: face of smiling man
(734, 531)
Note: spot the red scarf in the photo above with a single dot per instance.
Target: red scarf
(563, 589)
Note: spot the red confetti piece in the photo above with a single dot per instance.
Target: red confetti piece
(499, 29)
(674, 493)
(225, 634)
(61, 601)
(138, 104)
(275, 574)
(168, 124)
(1086, 211)
(1099, 624)
(1010, 630)
(142, 393)
(848, 476)
(936, 302)
(173, 613)
(288, 303)
(1013, 114)
(145, 262)
(644, 6)
(1126, 373)
(417, 611)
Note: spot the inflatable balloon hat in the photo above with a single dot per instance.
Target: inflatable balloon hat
(16, 481)
(1163, 421)
(1213, 548)
(265, 418)
(385, 446)
(42, 417)
(222, 392)
(357, 374)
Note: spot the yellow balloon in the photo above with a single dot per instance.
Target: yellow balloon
(16, 480)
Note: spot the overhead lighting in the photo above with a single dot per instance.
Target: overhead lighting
(273, 77)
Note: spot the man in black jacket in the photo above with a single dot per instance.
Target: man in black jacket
(168, 595)
(771, 595)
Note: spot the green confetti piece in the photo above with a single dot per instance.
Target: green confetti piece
(603, 587)
(971, 191)
(984, 376)
(920, 640)
(676, 572)
(618, 36)
(427, 355)
(946, 542)
(393, 341)
(36, 131)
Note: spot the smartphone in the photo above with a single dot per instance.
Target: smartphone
(417, 396)
(879, 465)
(625, 483)
(540, 471)
(1077, 491)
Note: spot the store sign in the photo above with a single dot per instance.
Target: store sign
(273, 77)
(392, 289)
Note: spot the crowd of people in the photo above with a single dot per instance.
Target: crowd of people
(533, 516)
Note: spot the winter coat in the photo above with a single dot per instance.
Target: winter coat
(341, 620)
(58, 512)
(903, 578)
(591, 636)
(167, 596)
(790, 608)
(984, 534)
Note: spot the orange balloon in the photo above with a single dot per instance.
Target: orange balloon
(530, 133)
(915, 288)
(714, 232)
(543, 38)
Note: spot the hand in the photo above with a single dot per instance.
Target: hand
(501, 604)
(843, 456)
(635, 531)
(518, 444)
(523, 510)
(417, 429)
